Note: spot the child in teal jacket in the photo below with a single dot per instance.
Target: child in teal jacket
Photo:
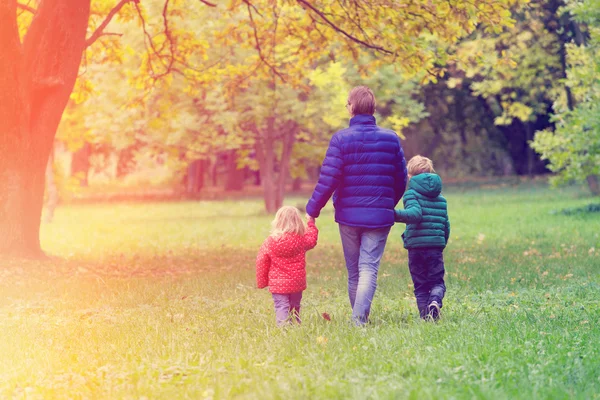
(427, 231)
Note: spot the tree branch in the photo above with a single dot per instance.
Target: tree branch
(309, 6)
(357, 21)
(253, 6)
(208, 4)
(258, 47)
(111, 34)
(26, 8)
(147, 37)
(98, 32)
(169, 37)
(152, 49)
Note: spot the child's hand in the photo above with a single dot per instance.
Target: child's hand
(398, 218)
(310, 219)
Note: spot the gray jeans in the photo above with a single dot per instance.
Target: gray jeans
(363, 249)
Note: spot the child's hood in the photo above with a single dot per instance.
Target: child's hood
(429, 185)
(287, 245)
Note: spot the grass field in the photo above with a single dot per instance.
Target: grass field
(158, 301)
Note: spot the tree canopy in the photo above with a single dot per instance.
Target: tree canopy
(264, 82)
(266, 78)
(573, 147)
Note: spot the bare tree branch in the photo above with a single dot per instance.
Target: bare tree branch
(98, 32)
(26, 8)
(309, 6)
(208, 4)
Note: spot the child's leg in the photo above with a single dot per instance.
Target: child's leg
(282, 307)
(436, 276)
(295, 299)
(418, 272)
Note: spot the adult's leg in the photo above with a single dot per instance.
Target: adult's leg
(372, 246)
(351, 244)
(282, 307)
(295, 299)
(417, 264)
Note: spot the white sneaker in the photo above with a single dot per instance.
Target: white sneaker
(433, 311)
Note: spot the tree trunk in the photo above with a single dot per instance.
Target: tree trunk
(594, 184)
(51, 190)
(36, 80)
(297, 185)
(125, 161)
(195, 176)
(257, 178)
(528, 149)
(273, 183)
(80, 164)
(235, 176)
(265, 153)
(289, 137)
(214, 171)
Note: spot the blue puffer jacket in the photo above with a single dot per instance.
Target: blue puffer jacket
(365, 167)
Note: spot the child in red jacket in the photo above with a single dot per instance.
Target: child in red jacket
(281, 261)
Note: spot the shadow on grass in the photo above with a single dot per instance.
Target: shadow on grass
(218, 261)
(593, 208)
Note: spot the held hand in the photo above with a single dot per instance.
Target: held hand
(310, 219)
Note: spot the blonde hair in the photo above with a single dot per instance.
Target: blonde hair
(420, 165)
(362, 100)
(286, 220)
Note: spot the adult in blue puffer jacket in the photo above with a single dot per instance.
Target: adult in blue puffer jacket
(365, 170)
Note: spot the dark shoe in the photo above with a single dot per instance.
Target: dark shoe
(433, 311)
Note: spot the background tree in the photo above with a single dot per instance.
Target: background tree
(517, 73)
(278, 90)
(38, 71)
(573, 148)
(37, 76)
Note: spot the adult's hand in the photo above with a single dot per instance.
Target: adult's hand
(309, 218)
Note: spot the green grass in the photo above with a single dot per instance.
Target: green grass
(158, 301)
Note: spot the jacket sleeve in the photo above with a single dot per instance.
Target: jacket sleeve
(263, 264)
(412, 213)
(311, 236)
(401, 175)
(329, 179)
(447, 229)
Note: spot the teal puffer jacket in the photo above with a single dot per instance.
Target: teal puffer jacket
(425, 213)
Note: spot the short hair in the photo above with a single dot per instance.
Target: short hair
(286, 220)
(362, 100)
(420, 165)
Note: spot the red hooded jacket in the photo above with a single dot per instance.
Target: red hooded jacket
(281, 261)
